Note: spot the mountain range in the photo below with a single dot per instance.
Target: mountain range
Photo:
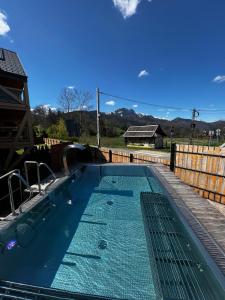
(123, 118)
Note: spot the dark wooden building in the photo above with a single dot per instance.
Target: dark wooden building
(15, 118)
(147, 136)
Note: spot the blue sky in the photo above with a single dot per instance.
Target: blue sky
(168, 52)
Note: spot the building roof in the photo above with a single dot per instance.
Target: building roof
(10, 63)
(144, 131)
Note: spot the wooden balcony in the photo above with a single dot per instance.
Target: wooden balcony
(8, 136)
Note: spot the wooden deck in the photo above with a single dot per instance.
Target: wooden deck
(206, 219)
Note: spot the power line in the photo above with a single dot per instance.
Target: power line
(211, 110)
(145, 103)
(162, 106)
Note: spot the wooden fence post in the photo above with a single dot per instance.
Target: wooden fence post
(131, 157)
(173, 157)
(110, 156)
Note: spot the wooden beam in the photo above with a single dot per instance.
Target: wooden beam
(13, 145)
(5, 90)
(25, 121)
(5, 105)
(29, 121)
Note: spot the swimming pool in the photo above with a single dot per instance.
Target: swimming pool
(89, 236)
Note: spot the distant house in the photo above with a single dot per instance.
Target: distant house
(147, 136)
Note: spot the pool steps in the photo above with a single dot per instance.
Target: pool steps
(180, 272)
(43, 186)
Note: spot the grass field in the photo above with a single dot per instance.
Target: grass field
(114, 142)
(200, 141)
(118, 142)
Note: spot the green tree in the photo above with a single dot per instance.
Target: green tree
(58, 130)
(61, 128)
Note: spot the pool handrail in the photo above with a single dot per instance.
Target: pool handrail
(12, 204)
(71, 146)
(50, 170)
(7, 174)
(38, 173)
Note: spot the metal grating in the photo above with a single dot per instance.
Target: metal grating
(12, 290)
(180, 274)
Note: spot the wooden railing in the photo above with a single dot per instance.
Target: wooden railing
(203, 168)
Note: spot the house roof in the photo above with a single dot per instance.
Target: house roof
(10, 63)
(144, 131)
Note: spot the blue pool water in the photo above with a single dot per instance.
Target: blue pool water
(94, 240)
(87, 236)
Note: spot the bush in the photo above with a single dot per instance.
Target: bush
(58, 130)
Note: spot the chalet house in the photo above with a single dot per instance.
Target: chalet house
(15, 118)
(147, 136)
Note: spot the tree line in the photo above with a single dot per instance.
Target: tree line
(75, 106)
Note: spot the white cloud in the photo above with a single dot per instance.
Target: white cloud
(135, 105)
(82, 107)
(110, 102)
(143, 73)
(48, 106)
(127, 7)
(4, 27)
(170, 109)
(45, 107)
(219, 79)
(71, 87)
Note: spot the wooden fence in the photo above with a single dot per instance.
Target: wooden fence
(203, 168)
(50, 142)
(120, 156)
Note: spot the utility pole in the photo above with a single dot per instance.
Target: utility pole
(211, 134)
(98, 116)
(195, 114)
(218, 132)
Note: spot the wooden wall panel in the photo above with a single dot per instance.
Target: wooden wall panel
(203, 168)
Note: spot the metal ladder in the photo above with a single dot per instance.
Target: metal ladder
(21, 179)
(11, 198)
(65, 164)
(38, 165)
